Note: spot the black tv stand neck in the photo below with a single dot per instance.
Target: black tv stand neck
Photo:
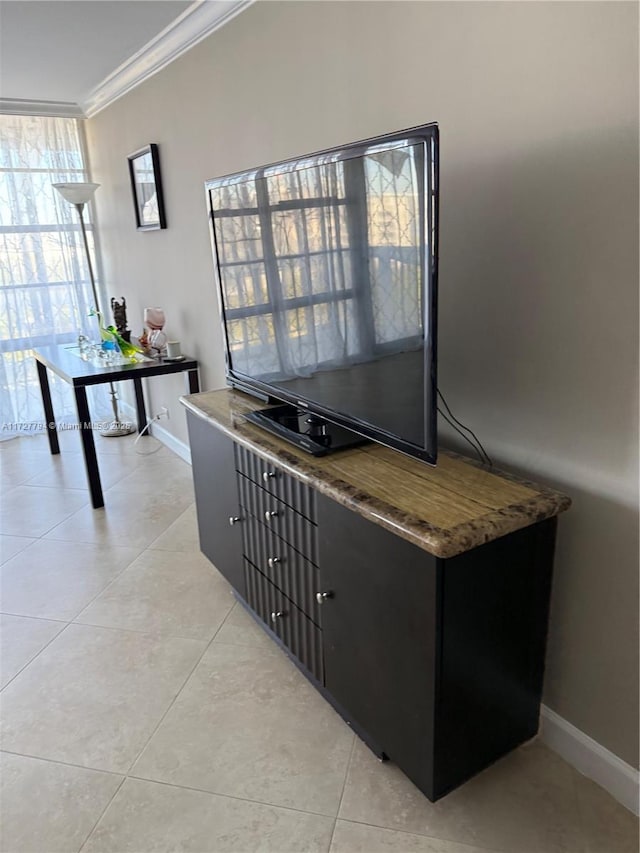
(305, 430)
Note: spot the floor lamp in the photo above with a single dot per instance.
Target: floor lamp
(78, 194)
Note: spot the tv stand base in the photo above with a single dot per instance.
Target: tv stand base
(306, 431)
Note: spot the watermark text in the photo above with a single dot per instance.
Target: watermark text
(39, 426)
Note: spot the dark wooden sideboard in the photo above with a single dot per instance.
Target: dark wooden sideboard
(416, 599)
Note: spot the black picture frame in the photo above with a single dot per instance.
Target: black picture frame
(146, 185)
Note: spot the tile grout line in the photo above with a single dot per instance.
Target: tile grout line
(146, 743)
(101, 815)
(462, 844)
(39, 618)
(182, 686)
(246, 800)
(28, 484)
(160, 535)
(45, 533)
(159, 634)
(156, 781)
(84, 606)
(60, 761)
(106, 544)
(73, 621)
(109, 584)
(103, 458)
(167, 784)
(53, 526)
(227, 796)
(55, 486)
(37, 654)
(80, 455)
(344, 788)
(65, 625)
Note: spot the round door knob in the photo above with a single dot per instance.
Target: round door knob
(268, 475)
(273, 560)
(270, 513)
(321, 597)
(277, 614)
(234, 519)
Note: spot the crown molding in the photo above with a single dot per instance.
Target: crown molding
(196, 23)
(24, 107)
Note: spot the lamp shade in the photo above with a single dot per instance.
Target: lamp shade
(76, 193)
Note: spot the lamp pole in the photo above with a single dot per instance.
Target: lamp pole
(80, 208)
(78, 194)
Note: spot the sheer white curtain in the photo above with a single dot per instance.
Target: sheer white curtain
(45, 291)
(322, 263)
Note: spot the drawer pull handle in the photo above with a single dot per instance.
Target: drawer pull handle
(273, 560)
(234, 519)
(270, 513)
(268, 475)
(277, 614)
(321, 597)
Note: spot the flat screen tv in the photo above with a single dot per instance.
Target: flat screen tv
(327, 269)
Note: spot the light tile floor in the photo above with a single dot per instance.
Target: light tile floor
(143, 710)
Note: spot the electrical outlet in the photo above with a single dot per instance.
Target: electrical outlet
(164, 412)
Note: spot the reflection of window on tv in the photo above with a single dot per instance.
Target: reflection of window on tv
(322, 268)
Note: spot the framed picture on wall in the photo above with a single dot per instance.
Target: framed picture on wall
(144, 170)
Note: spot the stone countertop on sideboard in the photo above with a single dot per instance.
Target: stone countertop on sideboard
(445, 510)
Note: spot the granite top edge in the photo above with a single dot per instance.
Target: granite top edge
(442, 543)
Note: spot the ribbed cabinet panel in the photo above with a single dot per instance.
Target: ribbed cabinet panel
(296, 577)
(288, 489)
(262, 596)
(289, 525)
(297, 632)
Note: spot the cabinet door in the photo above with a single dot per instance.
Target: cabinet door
(380, 635)
(217, 505)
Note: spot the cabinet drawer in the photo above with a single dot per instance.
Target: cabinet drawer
(287, 489)
(289, 525)
(295, 576)
(298, 633)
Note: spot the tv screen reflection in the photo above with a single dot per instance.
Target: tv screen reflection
(323, 267)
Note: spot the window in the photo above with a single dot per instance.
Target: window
(45, 291)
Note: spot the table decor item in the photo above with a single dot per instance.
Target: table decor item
(112, 339)
(119, 311)
(155, 338)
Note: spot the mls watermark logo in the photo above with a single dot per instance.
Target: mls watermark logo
(41, 426)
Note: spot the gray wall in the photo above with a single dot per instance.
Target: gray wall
(538, 110)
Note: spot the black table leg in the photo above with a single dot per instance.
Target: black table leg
(140, 407)
(89, 447)
(52, 433)
(193, 381)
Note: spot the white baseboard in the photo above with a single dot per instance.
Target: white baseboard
(157, 431)
(179, 447)
(591, 759)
